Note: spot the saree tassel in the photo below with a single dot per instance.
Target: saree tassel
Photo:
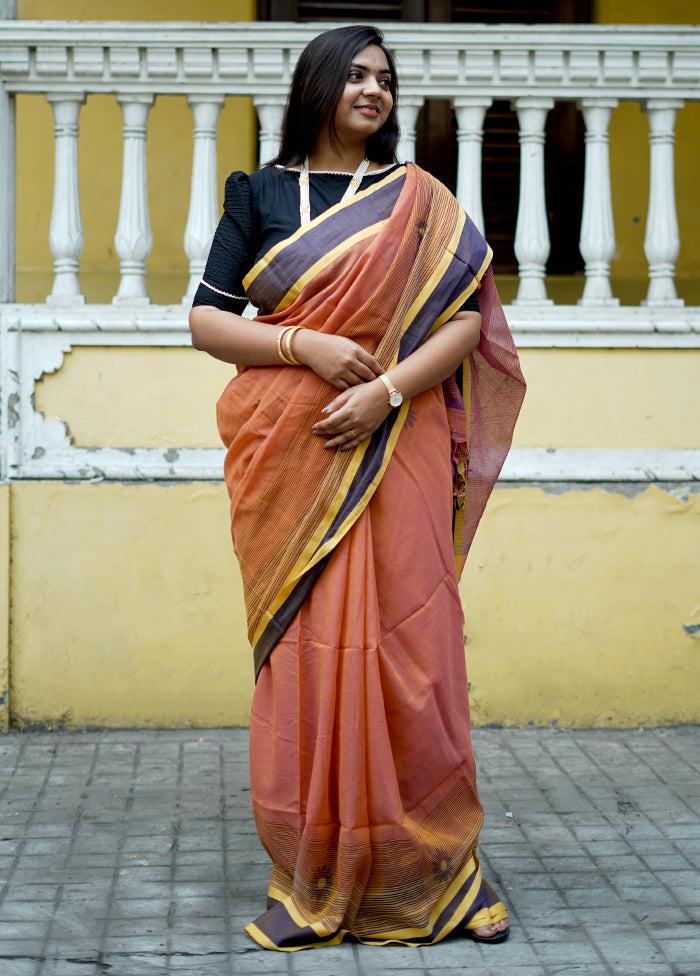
(460, 472)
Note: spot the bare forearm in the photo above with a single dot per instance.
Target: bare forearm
(233, 339)
(439, 356)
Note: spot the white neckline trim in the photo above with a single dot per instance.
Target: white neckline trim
(336, 172)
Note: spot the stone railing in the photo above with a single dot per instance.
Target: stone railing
(533, 67)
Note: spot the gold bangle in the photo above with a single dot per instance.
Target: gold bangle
(280, 336)
(290, 355)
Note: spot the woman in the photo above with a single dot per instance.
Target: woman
(357, 477)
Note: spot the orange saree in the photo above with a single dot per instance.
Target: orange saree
(362, 772)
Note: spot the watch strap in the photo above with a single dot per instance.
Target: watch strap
(390, 388)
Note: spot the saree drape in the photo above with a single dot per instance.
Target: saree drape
(362, 773)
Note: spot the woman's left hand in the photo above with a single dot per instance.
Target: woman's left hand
(353, 416)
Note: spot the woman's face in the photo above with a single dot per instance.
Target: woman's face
(366, 101)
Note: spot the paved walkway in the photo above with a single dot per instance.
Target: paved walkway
(135, 854)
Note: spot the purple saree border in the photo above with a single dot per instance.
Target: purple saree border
(283, 271)
(450, 287)
(321, 236)
(283, 932)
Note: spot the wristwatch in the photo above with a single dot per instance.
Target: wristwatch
(395, 398)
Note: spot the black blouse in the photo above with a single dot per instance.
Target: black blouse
(259, 211)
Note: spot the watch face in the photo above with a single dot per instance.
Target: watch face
(395, 399)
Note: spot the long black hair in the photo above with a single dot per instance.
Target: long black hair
(318, 82)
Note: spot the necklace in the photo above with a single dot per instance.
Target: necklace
(304, 201)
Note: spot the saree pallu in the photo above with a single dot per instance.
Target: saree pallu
(362, 773)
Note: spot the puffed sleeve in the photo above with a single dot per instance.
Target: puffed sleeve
(232, 250)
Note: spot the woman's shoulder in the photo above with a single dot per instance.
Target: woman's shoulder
(244, 189)
(237, 196)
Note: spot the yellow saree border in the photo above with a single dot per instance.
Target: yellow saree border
(403, 936)
(444, 252)
(313, 552)
(276, 249)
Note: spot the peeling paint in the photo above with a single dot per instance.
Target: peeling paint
(629, 489)
(12, 414)
(680, 493)
(693, 630)
(171, 455)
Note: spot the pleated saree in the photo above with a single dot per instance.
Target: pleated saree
(362, 772)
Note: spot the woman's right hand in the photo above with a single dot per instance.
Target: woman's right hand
(336, 359)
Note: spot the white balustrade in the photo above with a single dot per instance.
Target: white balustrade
(531, 229)
(470, 65)
(408, 111)
(134, 240)
(204, 210)
(470, 114)
(661, 239)
(270, 116)
(66, 229)
(597, 229)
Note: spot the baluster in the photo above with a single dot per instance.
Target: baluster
(531, 230)
(270, 116)
(470, 114)
(133, 240)
(204, 210)
(597, 242)
(661, 240)
(408, 112)
(66, 229)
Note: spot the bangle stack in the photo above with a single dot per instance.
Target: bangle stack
(284, 339)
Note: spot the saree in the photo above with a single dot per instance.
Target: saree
(362, 773)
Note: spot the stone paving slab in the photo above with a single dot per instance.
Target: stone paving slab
(135, 854)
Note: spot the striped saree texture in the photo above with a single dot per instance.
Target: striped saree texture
(362, 773)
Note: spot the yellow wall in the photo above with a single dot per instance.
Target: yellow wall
(4, 605)
(645, 12)
(138, 397)
(622, 398)
(127, 608)
(576, 606)
(610, 398)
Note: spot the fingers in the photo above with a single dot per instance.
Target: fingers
(340, 430)
(354, 374)
(334, 405)
(352, 416)
(370, 362)
(347, 440)
(367, 367)
(356, 366)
